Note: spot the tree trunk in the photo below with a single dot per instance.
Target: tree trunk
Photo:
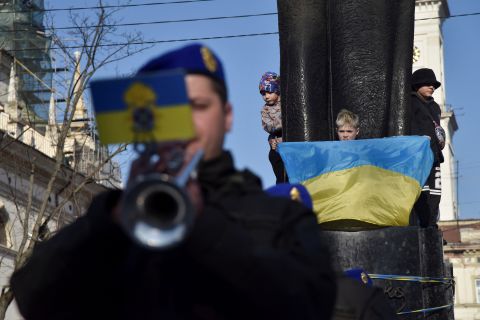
(5, 299)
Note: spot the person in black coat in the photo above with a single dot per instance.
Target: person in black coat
(248, 255)
(426, 121)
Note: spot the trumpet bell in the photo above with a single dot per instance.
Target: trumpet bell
(156, 212)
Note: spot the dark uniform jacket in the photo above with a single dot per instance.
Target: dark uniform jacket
(249, 256)
(422, 125)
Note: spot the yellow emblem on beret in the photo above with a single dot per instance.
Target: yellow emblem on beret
(364, 277)
(208, 59)
(295, 195)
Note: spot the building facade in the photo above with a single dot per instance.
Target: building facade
(463, 252)
(44, 183)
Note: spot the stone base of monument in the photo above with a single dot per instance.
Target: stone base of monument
(406, 262)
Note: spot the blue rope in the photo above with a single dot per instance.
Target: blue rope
(394, 277)
(426, 310)
(411, 278)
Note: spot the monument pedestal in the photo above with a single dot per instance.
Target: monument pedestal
(390, 253)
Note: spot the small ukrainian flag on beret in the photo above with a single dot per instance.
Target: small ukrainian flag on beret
(193, 58)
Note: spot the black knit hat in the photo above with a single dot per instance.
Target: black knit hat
(424, 77)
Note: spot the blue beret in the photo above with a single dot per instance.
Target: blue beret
(295, 192)
(359, 275)
(194, 58)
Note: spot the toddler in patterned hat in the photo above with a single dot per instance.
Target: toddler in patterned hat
(269, 88)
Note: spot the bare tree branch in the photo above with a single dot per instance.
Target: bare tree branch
(55, 176)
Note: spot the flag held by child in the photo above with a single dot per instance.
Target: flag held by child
(374, 181)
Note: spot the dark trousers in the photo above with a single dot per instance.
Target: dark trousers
(277, 166)
(425, 211)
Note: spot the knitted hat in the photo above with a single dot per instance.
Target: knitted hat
(270, 82)
(424, 77)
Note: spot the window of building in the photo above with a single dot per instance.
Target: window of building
(477, 289)
(3, 224)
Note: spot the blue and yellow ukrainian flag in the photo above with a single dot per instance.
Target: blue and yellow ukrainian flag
(147, 108)
(374, 181)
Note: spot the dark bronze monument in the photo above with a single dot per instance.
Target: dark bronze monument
(353, 54)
